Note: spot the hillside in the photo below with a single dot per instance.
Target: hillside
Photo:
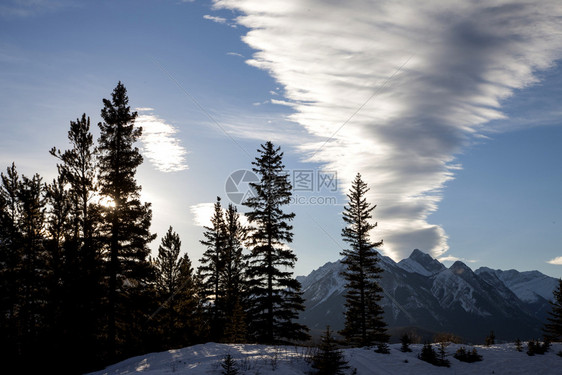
(285, 360)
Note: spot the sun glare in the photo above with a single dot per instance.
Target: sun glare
(106, 202)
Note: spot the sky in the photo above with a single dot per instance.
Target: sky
(450, 110)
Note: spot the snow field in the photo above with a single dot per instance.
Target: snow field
(254, 359)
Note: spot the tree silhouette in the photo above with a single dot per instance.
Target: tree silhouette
(125, 223)
(364, 324)
(275, 293)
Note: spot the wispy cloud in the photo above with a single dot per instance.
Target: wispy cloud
(452, 258)
(557, 261)
(160, 145)
(220, 20)
(416, 83)
(28, 8)
(215, 18)
(234, 54)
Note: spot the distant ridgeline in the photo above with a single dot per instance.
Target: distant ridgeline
(421, 294)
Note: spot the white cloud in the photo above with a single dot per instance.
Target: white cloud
(557, 261)
(160, 145)
(144, 109)
(203, 212)
(234, 54)
(413, 82)
(215, 18)
(452, 258)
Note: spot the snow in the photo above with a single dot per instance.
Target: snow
(527, 285)
(290, 360)
(412, 266)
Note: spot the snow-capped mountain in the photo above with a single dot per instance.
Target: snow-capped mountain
(420, 292)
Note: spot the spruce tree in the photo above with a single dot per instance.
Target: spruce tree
(553, 328)
(81, 253)
(364, 324)
(10, 262)
(32, 275)
(174, 286)
(233, 278)
(275, 293)
(329, 360)
(211, 272)
(125, 223)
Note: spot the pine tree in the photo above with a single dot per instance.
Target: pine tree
(275, 293)
(364, 324)
(81, 254)
(125, 223)
(10, 262)
(329, 360)
(228, 365)
(211, 272)
(233, 278)
(553, 328)
(175, 288)
(168, 268)
(32, 275)
(406, 341)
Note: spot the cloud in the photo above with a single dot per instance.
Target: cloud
(452, 258)
(557, 261)
(144, 109)
(215, 18)
(394, 90)
(160, 145)
(234, 54)
(29, 8)
(203, 212)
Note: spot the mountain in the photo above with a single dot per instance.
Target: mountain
(421, 293)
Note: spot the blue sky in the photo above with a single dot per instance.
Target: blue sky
(450, 111)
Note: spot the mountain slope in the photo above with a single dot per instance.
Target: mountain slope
(421, 292)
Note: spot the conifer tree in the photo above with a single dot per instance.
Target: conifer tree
(10, 261)
(233, 278)
(364, 324)
(553, 328)
(32, 274)
(174, 285)
(329, 360)
(81, 257)
(125, 222)
(275, 293)
(211, 272)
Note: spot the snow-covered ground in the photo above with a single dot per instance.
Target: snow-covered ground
(288, 360)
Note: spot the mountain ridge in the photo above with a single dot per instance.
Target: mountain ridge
(421, 293)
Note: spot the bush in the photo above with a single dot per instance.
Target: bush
(429, 355)
(518, 345)
(535, 347)
(490, 339)
(467, 356)
(406, 341)
(382, 348)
